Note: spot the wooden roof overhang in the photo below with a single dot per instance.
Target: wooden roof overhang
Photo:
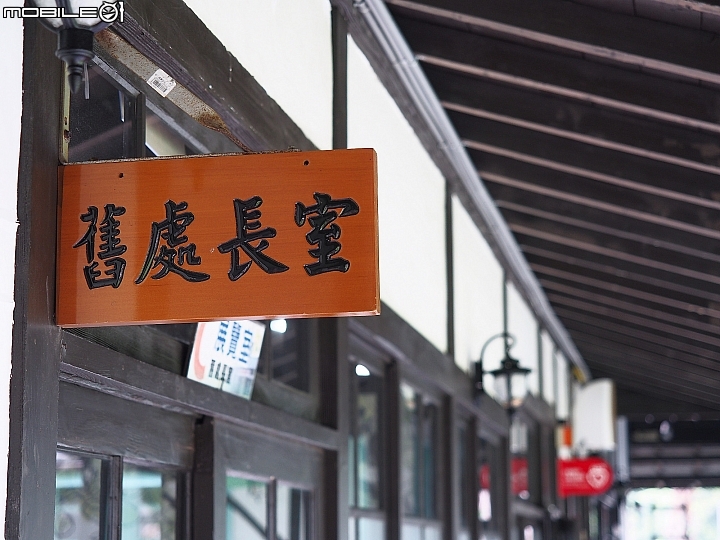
(595, 127)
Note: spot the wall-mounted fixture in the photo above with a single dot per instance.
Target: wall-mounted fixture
(75, 22)
(510, 378)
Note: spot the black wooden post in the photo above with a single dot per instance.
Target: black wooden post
(36, 340)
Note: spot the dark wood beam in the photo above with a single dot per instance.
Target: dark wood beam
(594, 320)
(633, 278)
(635, 134)
(631, 307)
(614, 289)
(645, 399)
(495, 146)
(572, 95)
(642, 322)
(617, 369)
(589, 201)
(646, 251)
(627, 342)
(543, 216)
(641, 265)
(582, 138)
(706, 379)
(634, 43)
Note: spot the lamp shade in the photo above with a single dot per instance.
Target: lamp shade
(510, 382)
(75, 22)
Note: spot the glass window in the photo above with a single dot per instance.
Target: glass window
(488, 491)
(367, 439)
(365, 452)
(464, 472)
(247, 509)
(429, 459)
(149, 498)
(370, 529)
(285, 356)
(103, 126)
(411, 531)
(293, 518)
(519, 465)
(409, 451)
(78, 496)
(419, 419)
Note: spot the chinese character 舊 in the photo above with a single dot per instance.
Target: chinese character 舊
(110, 247)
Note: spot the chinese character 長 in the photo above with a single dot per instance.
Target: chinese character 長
(325, 233)
(248, 230)
(172, 256)
(109, 250)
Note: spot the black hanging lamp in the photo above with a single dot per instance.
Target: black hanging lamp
(76, 22)
(510, 377)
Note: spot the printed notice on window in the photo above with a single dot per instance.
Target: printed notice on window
(225, 355)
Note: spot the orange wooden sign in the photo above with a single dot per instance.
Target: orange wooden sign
(218, 237)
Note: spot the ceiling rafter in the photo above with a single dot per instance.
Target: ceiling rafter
(635, 309)
(577, 137)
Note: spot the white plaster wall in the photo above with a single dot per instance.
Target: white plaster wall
(11, 49)
(563, 402)
(522, 325)
(411, 194)
(548, 348)
(478, 293)
(286, 45)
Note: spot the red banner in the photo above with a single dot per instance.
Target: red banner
(591, 476)
(519, 475)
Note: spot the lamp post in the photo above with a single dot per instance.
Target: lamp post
(76, 22)
(510, 377)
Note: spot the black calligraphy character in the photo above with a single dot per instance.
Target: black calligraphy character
(167, 256)
(246, 220)
(110, 247)
(324, 232)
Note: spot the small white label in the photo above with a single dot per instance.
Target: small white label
(162, 82)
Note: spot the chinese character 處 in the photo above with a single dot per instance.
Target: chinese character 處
(173, 256)
(325, 233)
(110, 247)
(247, 223)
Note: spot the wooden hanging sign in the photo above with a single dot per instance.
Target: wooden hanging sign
(205, 238)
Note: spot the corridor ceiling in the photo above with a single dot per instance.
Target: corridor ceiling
(595, 126)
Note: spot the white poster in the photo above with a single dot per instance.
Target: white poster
(225, 355)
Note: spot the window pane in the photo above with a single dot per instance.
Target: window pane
(432, 533)
(368, 442)
(351, 471)
(464, 472)
(371, 529)
(411, 532)
(409, 448)
(487, 458)
(77, 497)
(290, 362)
(102, 127)
(246, 509)
(149, 499)
(160, 139)
(293, 513)
(430, 414)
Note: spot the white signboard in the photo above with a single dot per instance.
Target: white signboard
(225, 355)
